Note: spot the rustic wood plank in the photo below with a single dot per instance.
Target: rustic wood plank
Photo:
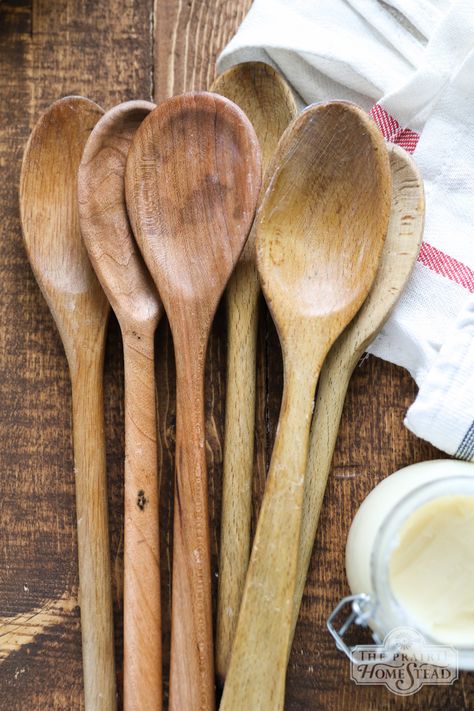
(189, 34)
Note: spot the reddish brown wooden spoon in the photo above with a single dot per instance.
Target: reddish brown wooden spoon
(118, 264)
(192, 181)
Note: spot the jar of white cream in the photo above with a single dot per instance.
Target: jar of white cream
(410, 557)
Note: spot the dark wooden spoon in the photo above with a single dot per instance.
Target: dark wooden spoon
(192, 182)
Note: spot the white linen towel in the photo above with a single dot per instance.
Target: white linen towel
(411, 64)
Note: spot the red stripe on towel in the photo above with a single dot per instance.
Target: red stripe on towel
(446, 266)
(432, 258)
(392, 131)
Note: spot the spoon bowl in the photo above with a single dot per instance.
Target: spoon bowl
(322, 216)
(120, 268)
(192, 181)
(105, 225)
(268, 102)
(50, 218)
(191, 206)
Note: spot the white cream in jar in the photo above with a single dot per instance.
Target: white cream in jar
(410, 554)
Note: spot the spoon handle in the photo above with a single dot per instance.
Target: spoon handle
(332, 388)
(192, 654)
(242, 323)
(256, 675)
(142, 600)
(95, 592)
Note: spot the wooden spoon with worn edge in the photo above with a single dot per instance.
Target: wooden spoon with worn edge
(192, 182)
(399, 255)
(320, 232)
(119, 266)
(265, 97)
(50, 221)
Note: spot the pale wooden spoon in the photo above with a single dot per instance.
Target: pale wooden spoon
(119, 266)
(50, 221)
(192, 182)
(320, 232)
(265, 97)
(399, 255)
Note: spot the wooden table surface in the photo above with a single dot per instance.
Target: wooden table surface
(112, 51)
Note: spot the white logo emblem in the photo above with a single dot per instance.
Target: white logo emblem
(404, 662)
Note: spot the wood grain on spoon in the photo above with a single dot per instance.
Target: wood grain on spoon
(192, 181)
(399, 255)
(265, 97)
(320, 232)
(120, 268)
(50, 221)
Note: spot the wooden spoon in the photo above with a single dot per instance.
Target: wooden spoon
(265, 97)
(320, 232)
(400, 251)
(50, 221)
(119, 266)
(192, 181)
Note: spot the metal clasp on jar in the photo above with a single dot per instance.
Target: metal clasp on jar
(362, 609)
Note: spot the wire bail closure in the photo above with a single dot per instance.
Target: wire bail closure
(362, 609)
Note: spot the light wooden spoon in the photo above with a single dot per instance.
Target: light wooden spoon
(192, 181)
(119, 266)
(265, 97)
(50, 221)
(320, 232)
(400, 251)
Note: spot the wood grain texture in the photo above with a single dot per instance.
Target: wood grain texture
(321, 227)
(62, 47)
(120, 268)
(192, 182)
(267, 100)
(189, 36)
(51, 231)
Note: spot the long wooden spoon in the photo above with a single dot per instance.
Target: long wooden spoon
(133, 297)
(50, 220)
(192, 181)
(320, 232)
(265, 97)
(400, 251)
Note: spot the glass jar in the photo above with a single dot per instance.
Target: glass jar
(410, 558)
